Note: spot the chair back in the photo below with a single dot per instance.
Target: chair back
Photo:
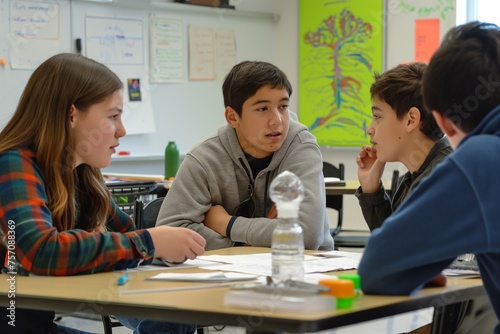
(146, 214)
(335, 202)
(394, 182)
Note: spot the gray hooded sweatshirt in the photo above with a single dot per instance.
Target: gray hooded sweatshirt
(216, 172)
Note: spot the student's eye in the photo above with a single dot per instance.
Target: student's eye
(262, 109)
(284, 107)
(376, 116)
(114, 117)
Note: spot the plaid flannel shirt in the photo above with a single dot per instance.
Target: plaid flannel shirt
(26, 219)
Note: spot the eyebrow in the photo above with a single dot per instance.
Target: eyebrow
(285, 99)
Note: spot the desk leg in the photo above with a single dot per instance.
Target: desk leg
(473, 316)
(447, 319)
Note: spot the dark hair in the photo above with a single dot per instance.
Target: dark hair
(401, 88)
(247, 77)
(42, 124)
(462, 81)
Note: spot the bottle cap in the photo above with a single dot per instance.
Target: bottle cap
(352, 277)
(340, 288)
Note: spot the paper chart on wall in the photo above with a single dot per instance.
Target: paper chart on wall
(226, 52)
(34, 33)
(137, 115)
(201, 53)
(166, 50)
(114, 41)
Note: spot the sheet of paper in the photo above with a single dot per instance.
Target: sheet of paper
(203, 277)
(461, 273)
(260, 264)
(426, 38)
(333, 254)
(159, 265)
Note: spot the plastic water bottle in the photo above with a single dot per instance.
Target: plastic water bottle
(287, 192)
(171, 160)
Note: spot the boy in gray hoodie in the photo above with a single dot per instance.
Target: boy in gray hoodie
(221, 189)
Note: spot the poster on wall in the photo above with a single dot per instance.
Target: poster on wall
(340, 49)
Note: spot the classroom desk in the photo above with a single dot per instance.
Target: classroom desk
(349, 189)
(100, 294)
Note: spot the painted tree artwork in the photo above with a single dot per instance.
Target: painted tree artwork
(340, 50)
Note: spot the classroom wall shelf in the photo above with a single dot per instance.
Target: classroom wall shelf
(214, 10)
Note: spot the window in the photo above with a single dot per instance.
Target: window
(480, 10)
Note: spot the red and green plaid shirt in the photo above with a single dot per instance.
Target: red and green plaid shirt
(44, 250)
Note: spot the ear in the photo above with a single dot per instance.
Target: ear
(445, 124)
(413, 119)
(72, 116)
(232, 117)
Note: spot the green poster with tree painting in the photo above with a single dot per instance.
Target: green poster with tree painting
(340, 49)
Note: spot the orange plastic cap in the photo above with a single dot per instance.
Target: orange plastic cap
(340, 288)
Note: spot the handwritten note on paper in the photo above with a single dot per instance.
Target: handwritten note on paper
(226, 52)
(166, 50)
(114, 41)
(34, 20)
(34, 31)
(201, 53)
(426, 39)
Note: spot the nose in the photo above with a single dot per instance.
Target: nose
(370, 130)
(120, 130)
(277, 117)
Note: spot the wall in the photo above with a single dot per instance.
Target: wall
(190, 111)
(186, 112)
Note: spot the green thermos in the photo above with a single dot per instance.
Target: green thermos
(171, 160)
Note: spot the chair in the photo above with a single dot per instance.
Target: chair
(394, 182)
(342, 237)
(335, 202)
(145, 216)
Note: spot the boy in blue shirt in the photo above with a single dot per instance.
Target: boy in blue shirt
(455, 210)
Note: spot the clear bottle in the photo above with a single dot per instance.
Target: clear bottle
(171, 160)
(287, 192)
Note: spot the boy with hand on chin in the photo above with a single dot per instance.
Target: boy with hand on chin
(221, 189)
(403, 130)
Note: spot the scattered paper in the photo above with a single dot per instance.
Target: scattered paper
(461, 273)
(260, 264)
(203, 277)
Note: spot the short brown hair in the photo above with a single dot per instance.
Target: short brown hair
(247, 77)
(401, 88)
